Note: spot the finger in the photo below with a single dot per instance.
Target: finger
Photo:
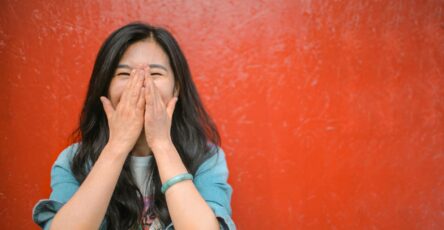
(170, 107)
(147, 72)
(157, 102)
(136, 87)
(107, 106)
(141, 101)
(128, 85)
(132, 79)
(146, 76)
(157, 98)
(148, 91)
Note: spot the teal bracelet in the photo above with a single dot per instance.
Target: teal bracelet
(174, 180)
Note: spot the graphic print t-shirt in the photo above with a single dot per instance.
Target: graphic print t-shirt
(139, 168)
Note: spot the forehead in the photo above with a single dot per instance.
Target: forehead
(146, 52)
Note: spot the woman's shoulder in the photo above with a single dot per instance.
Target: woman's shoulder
(66, 155)
(216, 161)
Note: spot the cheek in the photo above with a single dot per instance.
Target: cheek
(115, 91)
(166, 89)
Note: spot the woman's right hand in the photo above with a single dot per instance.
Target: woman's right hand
(126, 121)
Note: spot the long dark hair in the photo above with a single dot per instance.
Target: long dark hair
(193, 132)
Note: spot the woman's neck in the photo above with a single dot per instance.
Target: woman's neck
(141, 147)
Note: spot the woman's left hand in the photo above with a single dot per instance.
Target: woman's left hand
(158, 116)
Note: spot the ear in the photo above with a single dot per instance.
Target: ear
(176, 90)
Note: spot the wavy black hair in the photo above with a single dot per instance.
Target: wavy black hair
(193, 132)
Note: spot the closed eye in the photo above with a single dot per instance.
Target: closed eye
(156, 74)
(123, 73)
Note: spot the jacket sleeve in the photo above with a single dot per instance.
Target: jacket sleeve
(63, 184)
(211, 182)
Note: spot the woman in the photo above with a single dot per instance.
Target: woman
(147, 154)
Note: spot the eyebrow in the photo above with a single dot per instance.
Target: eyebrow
(151, 66)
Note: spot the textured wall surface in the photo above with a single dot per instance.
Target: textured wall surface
(331, 112)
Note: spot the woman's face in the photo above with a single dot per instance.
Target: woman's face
(139, 55)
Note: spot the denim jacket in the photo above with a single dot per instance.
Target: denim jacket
(210, 180)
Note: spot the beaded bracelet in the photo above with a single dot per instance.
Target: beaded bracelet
(174, 180)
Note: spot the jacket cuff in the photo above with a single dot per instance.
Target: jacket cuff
(44, 211)
(225, 223)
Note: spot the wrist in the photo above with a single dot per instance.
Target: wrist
(117, 148)
(169, 162)
(161, 145)
(112, 156)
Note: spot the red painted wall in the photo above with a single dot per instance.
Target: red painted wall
(331, 112)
